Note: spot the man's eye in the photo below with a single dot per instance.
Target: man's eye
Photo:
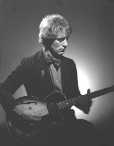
(61, 39)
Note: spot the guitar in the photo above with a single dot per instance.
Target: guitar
(29, 116)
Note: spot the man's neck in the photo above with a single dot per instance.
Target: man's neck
(50, 58)
(50, 55)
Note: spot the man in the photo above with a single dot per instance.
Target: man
(48, 71)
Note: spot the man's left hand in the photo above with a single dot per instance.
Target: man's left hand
(85, 102)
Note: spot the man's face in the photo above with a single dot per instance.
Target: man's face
(59, 44)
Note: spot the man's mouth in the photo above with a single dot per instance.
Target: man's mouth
(62, 50)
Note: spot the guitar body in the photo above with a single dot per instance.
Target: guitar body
(29, 116)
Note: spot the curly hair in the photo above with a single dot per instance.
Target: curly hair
(51, 25)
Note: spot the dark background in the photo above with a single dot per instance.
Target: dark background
(91, 46)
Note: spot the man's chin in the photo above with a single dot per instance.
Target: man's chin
(57, 54)
(61, 54)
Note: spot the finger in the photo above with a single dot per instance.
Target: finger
(89, 102)
(88, 91)
(86, 110)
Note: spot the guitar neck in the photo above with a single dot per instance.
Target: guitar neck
(69, 102)
(102, 92)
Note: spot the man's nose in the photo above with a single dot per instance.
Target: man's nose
(65, 43)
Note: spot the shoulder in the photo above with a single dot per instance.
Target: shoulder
(68, 61)
(31, 60)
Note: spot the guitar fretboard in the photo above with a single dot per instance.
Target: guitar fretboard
(69, 102)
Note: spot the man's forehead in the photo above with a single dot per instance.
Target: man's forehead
(61, 34)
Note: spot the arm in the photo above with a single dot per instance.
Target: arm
(11, 84)
(74, 80)
(83, 104)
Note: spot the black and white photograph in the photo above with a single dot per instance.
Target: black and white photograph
(56, 73)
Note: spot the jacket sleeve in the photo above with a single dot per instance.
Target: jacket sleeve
(74, 79)
(12, 83)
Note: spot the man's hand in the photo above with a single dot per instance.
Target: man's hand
(52, 108)
(85, 102)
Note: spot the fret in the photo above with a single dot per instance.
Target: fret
(67, 103)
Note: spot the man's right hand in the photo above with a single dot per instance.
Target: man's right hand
(52, 108)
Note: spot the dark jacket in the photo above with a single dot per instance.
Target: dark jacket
(33, 73)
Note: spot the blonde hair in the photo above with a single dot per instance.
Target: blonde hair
(51, 25)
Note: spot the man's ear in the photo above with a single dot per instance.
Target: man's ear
(47, 42)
